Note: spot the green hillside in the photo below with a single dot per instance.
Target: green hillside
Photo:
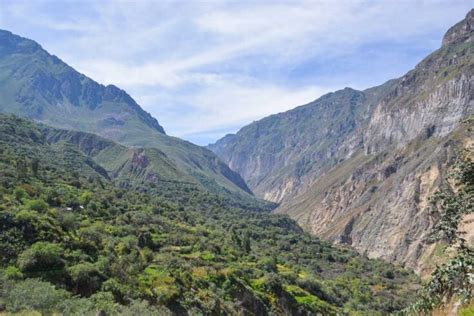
(75, 241)
(39, 86)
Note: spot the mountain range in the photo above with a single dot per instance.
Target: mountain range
(102, 212)
(37, 85)
(358, 167)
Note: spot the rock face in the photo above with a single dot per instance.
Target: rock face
(39, 86)
(279, 155)
(358, 167)
(461, 32)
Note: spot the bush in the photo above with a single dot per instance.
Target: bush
(41, 256)
(20, 194)
(13, 273)
(268, 264)
(158, 284)
(33, 294)
(104, 303)
(86, 278)
(38, 205)
(77, 306)
(85, 198)
(142, 308)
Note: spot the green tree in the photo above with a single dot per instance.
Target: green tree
(38, 205)
(33, 294)
(21, 168)
(86, 278)
(246, 242)
(41, 257)
(35, 166)
(20, 194)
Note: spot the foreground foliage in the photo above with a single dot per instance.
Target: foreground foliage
(76, 242)
(453, 281)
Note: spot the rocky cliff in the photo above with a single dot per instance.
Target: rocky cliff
(358, 167)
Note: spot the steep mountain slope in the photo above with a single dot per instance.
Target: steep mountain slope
(278, 155)
(380, 203)
(141, 168)
(149, 164)
(357, 167)
(74, 242)
(39, 86)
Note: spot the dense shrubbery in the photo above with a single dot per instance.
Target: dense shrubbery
(76, 242)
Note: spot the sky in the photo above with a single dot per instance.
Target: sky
(208, 68)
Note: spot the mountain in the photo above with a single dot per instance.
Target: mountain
(39, 86)
(277, 153)
(146, 169)
(75, 241)
(358, 167)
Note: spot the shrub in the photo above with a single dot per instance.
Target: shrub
(38, 205)
(20, 194)
(310, 301)
(13, 273)
(142, 308)
(159, 284)
(86, 278)
(33, 294)
(41, 256)
(104, 303)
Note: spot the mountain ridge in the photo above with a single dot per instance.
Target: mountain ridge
(72, 85)
(331, 137)
(39, 86)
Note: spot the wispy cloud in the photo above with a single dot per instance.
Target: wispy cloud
(204, 68)
(220, 103)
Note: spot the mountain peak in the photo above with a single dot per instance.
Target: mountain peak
(11, 43)
(462, 32)
(47, 82)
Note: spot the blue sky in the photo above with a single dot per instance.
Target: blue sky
(207, 68)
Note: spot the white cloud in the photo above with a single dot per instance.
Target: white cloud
(286, 33)
(193, 64)
(222, 104)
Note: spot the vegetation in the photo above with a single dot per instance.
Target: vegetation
(37, 85)
(91, 227)
(452, 281)
(76, 242)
